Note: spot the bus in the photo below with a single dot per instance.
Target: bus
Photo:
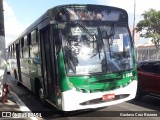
(77, 57)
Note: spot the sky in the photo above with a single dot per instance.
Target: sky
(19, 14)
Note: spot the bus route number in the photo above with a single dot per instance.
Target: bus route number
(127, 75)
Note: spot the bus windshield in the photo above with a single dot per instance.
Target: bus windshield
(91, 48)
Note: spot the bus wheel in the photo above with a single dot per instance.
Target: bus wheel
(40, 92)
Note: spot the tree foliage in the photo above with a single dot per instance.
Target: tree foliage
(150, 26)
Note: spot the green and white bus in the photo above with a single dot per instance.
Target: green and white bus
(77, 57)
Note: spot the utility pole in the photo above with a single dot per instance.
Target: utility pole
(133, 35)
(2, 47)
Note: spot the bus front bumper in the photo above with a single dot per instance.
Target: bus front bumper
(73, 100)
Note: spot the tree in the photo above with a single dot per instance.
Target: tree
(150, 26)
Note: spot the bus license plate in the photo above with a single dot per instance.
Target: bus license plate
(108, 97)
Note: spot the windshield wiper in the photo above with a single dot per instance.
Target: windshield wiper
(91, 35)
(102, 44)
(112, 32)
(110, 36)
(85, 29)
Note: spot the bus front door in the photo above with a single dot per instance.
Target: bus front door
(47, 57)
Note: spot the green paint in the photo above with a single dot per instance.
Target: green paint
(105, 82)
(62, 73)
(94, 83)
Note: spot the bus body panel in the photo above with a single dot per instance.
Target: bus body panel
(42, 62)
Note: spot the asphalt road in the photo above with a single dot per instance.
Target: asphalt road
(131, 110)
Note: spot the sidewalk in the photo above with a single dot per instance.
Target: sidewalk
(13, 109)
(11, 105)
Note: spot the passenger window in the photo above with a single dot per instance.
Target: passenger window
(14, 50)
(26, 46)
(8, 52)
(34, 50)
(11, 51)
(34, 37)
(21, 47)
(26, 52)
(25, 41)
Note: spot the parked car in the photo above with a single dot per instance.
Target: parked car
(148, 79)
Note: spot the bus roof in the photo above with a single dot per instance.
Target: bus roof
(52, 13)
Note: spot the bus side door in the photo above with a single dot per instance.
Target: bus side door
(47, 58)
(18, 62)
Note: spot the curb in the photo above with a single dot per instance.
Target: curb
(21, 105)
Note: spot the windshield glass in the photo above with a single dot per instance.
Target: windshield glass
(91, 48)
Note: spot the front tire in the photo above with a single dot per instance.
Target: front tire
(40, 92)
(41, 95)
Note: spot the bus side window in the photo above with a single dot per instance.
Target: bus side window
(14, 50)
(25, 41)
(34, 50)
(28, 44)
(21, 47)
(26, 48)
(34, 38)
(11, 51)
(8, 52)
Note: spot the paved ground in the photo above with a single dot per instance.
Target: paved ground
(14, 107)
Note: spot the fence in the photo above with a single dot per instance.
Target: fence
(148, 53)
